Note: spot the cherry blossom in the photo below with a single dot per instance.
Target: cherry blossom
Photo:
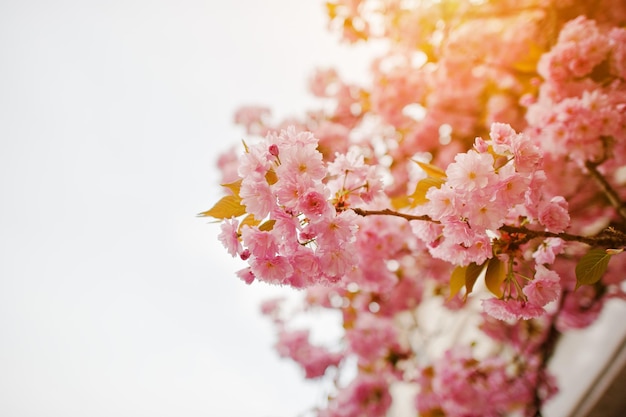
(478, 174)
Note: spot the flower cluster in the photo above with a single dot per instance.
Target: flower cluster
(458, 384)
(519, 110)
(297, 231)
(495, 182)
(315, 360)
(582, 104)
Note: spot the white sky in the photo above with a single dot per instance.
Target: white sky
(115, 300)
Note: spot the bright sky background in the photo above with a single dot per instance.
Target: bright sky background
(115, 300)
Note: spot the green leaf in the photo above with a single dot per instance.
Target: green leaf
(471, 275)
(592, 266)
(457, 281)
(495, 276)
(228, 206)
(422, 187)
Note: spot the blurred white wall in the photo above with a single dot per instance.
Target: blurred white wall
(114, 298)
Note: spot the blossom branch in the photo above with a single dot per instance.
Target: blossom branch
(546, 350)
(389, 212)
(610, 193)
(608, 238)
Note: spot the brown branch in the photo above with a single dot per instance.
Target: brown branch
(389, 212)
(610, 193)
(608, 238)
(546, 351)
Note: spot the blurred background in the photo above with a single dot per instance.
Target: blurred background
(115, 299)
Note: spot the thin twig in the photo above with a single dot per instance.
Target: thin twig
(610, 193)
(389, 212)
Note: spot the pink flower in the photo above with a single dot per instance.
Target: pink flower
(314, 359)
(260, 243)
(254, 162)
(301, 161)
(501, 134)
(511, 188)
(442, 202)
(338, 229)
(229, 236)
(547, 251)
(617, 38)
(313, 205)
(554, 216)
(273, 270)
(367, 395)
(257, 196)
(527, 155)
(486, 214)
(372, 337)
(246, 275)
(337, 261)
(470, 171)
(306, 267)
(253, 118)
(511, 309)
(458, 384)
(545, 287)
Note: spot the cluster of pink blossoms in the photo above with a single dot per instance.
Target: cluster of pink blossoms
(584, 98)
(458, 384)
(367, 395)
(453, 71)
(296, 235)
(498, 181)
(315, 360)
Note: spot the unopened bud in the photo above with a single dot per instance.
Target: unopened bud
(273, 149)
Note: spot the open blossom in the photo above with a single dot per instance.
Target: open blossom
(300, 162)
(367, 395)
(511, 309)
(545, 287)
(246, 275)
(229, 237)
(547, 251)
(257, 196)
(314, 359)
(273, 269)
(314, 205)
(260, 243)
(372, 337)
(458, 384)
(470, 171)
(554, 216)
